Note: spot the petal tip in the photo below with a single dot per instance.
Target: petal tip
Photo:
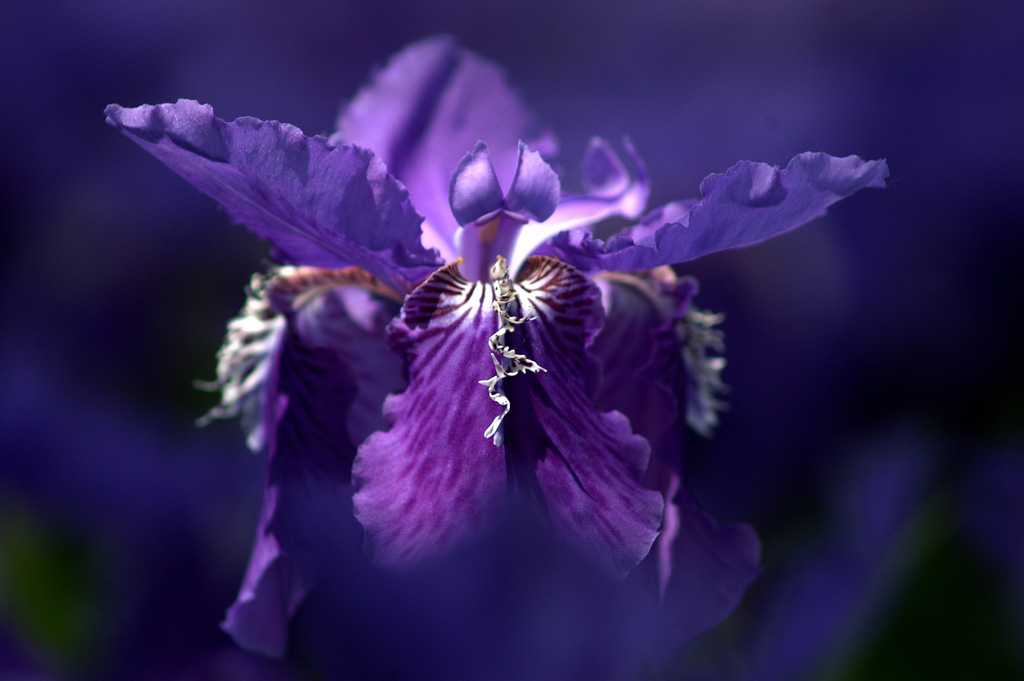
(535, 189)
(474, 190)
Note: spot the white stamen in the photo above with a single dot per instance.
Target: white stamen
(698, 334)
(244, 361)
(511, 362)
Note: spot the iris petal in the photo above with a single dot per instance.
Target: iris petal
(612, 192)
(421, 113)
(535, 187)
(641, 363)
(747, 204)
(347, 312)
(712, 566)
(603, 172)
(474, 190)
(584, 465)
(309, 388)
(275, 584)
(702, 569)
(433, 479)
(320, 205)
(611, 189)
(308, 465)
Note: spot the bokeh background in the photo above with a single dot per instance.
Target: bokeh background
(876, 431)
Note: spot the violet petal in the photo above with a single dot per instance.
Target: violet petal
(535, 187)
(616, 193)
(603, 173)
(747, 204)
(421, 113)
(274, 586)
(642, 373)
(583, 464)
(702, 568)
(309, 392)
(308, 465)
(712, 567)
(348, 312)
(611, 189)
(433, 479)
(320, 205)
(474, 190)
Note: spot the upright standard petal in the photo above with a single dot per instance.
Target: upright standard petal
(421, 113)
(319, 204)
(747, 204)
(329, 356)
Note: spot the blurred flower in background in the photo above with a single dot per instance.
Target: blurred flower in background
(887, 328)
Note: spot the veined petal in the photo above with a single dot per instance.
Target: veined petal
(421, 113)
(650, 372)
(347, 312)
(433, 479)
(328, 368)
(535, 187)
(309, 459)
(612, 192)
(747, 204)
(642, 371)
(474, 190)
(583, 465)
(319, 204)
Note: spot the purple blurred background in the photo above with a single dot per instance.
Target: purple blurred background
(876, 429)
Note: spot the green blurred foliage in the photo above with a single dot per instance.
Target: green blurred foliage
(52, 591)
(952, 622)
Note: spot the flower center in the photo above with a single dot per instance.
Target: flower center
(481, 242)
(507, 362)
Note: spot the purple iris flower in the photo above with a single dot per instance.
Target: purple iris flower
(445, 332)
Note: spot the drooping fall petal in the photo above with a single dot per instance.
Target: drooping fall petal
(585, 465)
(701, 568)
(327, 355)
(433, 479)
